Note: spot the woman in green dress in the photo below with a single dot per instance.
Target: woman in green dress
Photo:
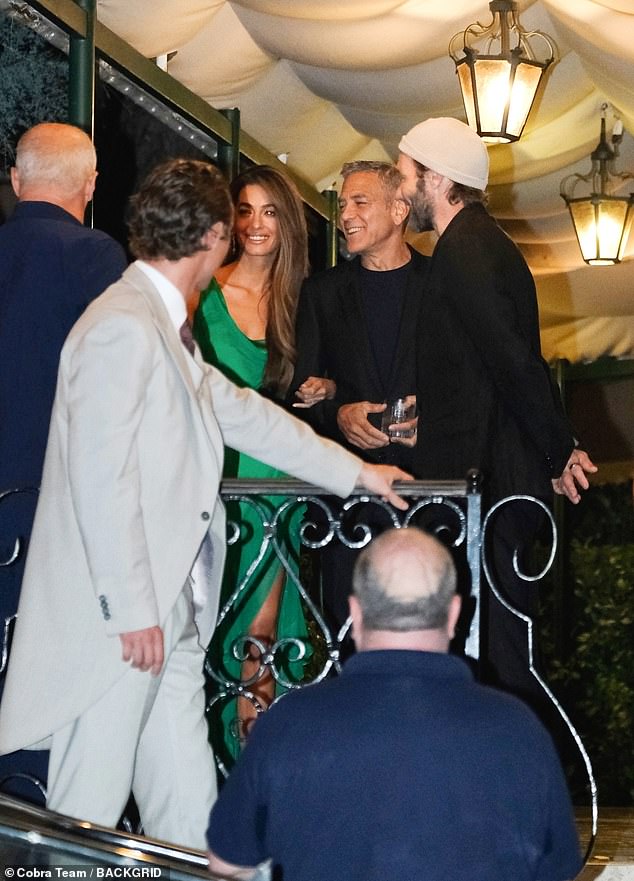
(244, 325)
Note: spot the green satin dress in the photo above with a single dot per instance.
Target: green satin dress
(243, 360)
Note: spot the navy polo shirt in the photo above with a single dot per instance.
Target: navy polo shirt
(401, 768)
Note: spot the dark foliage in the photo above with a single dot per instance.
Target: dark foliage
(595, 679)
(33, 85)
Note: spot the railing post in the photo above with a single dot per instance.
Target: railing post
(474, 550)
(229, 154)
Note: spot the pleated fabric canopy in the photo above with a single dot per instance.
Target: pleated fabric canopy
(328, 81)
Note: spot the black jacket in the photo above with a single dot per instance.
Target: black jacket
(332, 340)
(485, 395)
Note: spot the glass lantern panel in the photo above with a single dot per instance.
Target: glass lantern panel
(626, 230)
(466, 85)
(610, 220)
(492, 83)
(600, 228)
(527, 77)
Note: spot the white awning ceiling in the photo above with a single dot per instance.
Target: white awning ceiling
(327, 81)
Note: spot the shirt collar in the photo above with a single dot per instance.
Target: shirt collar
(168, 292)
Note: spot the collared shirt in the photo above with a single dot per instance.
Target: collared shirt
(174, 303)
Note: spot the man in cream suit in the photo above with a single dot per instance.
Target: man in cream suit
(122, 578)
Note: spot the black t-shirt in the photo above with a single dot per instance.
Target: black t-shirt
(383, 294)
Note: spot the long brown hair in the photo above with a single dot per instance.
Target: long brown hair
(289, 269)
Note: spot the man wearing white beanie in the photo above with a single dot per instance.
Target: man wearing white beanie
(485, 396)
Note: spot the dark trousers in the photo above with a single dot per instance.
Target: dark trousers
(337, 560)
(511, 534)
(22, 773)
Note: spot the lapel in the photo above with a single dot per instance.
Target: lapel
(161, 320)
(355, 330)
(202, 403)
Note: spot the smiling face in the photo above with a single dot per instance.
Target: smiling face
(366, 214)
(256, 224)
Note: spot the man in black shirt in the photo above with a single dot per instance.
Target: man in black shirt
(356, 325)
(485, 394)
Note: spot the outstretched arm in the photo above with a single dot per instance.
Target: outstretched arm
(256, 426)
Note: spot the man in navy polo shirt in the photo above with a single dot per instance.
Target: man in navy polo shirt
(448, 780)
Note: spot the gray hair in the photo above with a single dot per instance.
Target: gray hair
(404, 580)
(389, 176)
(55, 155)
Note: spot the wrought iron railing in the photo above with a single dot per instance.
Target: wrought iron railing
(240, 661)
(449, 509)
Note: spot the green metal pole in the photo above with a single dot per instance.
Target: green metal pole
(229, 154)
(81, 80)
(332, 250)
(81, 86)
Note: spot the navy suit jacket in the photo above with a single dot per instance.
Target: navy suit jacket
(51, 267)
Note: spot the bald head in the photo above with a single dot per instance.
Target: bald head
(55, 163)
(404, 580)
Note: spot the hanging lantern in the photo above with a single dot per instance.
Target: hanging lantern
(499, 72)
(601, 220)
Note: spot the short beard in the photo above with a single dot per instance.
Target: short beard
(421, 216)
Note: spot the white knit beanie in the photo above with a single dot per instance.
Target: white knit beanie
(451, 148)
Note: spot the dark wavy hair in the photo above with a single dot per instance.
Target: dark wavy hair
(289, 269)
(177, 203)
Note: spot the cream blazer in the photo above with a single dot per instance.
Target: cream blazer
(130, 487)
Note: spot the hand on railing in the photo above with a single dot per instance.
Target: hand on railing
(378, 479)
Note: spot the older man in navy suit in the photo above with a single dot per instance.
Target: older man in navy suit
(51, 267)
